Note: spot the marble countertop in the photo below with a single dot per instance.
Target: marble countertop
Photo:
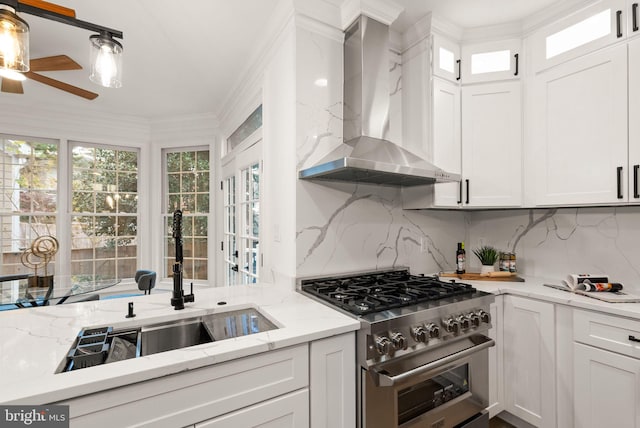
(34, 341)
(534, 288)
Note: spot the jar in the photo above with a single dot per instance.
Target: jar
(512, 262)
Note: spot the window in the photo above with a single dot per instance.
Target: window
(187, 188)
(248, 127)
(28, 203)
(581, 33)
(104, 206)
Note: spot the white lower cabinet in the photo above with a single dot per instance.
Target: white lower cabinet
(496, 379)
(288, 411)
(264, 390)
(606, 371)
(529, 360)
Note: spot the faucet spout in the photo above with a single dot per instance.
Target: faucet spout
(179, 298)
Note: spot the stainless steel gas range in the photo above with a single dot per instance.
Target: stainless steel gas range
(422, 349)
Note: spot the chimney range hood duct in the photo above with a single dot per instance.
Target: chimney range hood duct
(371, 159)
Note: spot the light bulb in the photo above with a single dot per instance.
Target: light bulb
(106, 61)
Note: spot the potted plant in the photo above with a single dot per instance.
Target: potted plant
(488, 256)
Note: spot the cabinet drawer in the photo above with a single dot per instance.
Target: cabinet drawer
(607, 332)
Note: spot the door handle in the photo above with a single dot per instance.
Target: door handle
(619, 173)
(460, 194)
(633, 338)
(467, 181)
(517, 57)
(635, 181)
(634, 16)
(618, 23)
(234, 268)
(459, 62)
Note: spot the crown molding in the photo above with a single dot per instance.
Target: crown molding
(551, 13)
(384, 11)
(493, 32)
(319, 27)
(417, 32)
(446, 28)
(203, 126)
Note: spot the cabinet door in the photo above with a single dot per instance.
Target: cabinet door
(332, 377)
(580, 130)
(289, 411)
(588, 29)
(446, 139)
(529, 360)
(446, 58)
(634, 123)
(490, 61)
(496, 380)
(607, 389)
(492, 145)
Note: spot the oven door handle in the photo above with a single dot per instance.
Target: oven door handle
(384, 379)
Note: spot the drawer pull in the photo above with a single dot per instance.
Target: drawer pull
(633, 339)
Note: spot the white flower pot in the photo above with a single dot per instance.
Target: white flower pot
(484, 269)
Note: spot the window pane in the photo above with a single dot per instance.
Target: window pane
(489, 62)
(107, 183)
(447, 60)
(579, 34)
(28, 202)
(187, 188)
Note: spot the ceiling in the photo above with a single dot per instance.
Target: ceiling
(184, 58)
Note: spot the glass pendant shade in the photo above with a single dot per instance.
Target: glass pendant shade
(106, 61)
(14, 42)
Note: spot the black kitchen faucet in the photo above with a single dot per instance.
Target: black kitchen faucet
(179, 298)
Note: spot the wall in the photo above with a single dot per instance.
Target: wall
(552, 243)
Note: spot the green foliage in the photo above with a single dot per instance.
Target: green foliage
(487, 254)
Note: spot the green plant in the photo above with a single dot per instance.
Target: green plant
(487, 254)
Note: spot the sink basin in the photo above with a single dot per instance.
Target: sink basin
(105, 345)
(173, 335)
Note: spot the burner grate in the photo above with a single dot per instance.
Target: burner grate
(364, 294)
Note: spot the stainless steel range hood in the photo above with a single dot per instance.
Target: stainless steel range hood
(370, 157)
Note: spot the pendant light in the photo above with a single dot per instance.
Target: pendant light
(14, 41)
(106, 60)
(105, 54)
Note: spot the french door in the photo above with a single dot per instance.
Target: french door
(241, 216)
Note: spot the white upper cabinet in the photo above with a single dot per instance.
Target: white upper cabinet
(579, 131)
(492, 144)
(634, 123)
(483, 62)
(446, 59)
(584, 31)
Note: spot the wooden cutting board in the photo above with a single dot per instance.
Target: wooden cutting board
(493, 276)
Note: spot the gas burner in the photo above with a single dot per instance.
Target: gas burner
(368, 293)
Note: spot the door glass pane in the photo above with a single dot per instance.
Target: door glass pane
(579, 34)
(489, 62)
(446, 60)
(250, 207)
(230, 240)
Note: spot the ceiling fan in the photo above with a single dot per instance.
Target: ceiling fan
(50, 63)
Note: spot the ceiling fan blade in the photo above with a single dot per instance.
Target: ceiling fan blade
(12, 86)
(61, 85)
(54, 63)
(45, 5)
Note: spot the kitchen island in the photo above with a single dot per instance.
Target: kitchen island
(34, 342)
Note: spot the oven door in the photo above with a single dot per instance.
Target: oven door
(444, 387)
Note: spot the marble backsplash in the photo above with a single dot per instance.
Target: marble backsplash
(552, 243)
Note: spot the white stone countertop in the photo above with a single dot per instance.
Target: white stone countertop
(534, 288)
(34, 341)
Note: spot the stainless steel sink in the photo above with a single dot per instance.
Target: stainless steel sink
(106, 345)
(173, 335)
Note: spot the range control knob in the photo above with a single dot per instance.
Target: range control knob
(383, 345)
(432, 330)
(474, 319)
(451, 326)
(419, 334)
(399, 341)
(485, 317)
(463, 321)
